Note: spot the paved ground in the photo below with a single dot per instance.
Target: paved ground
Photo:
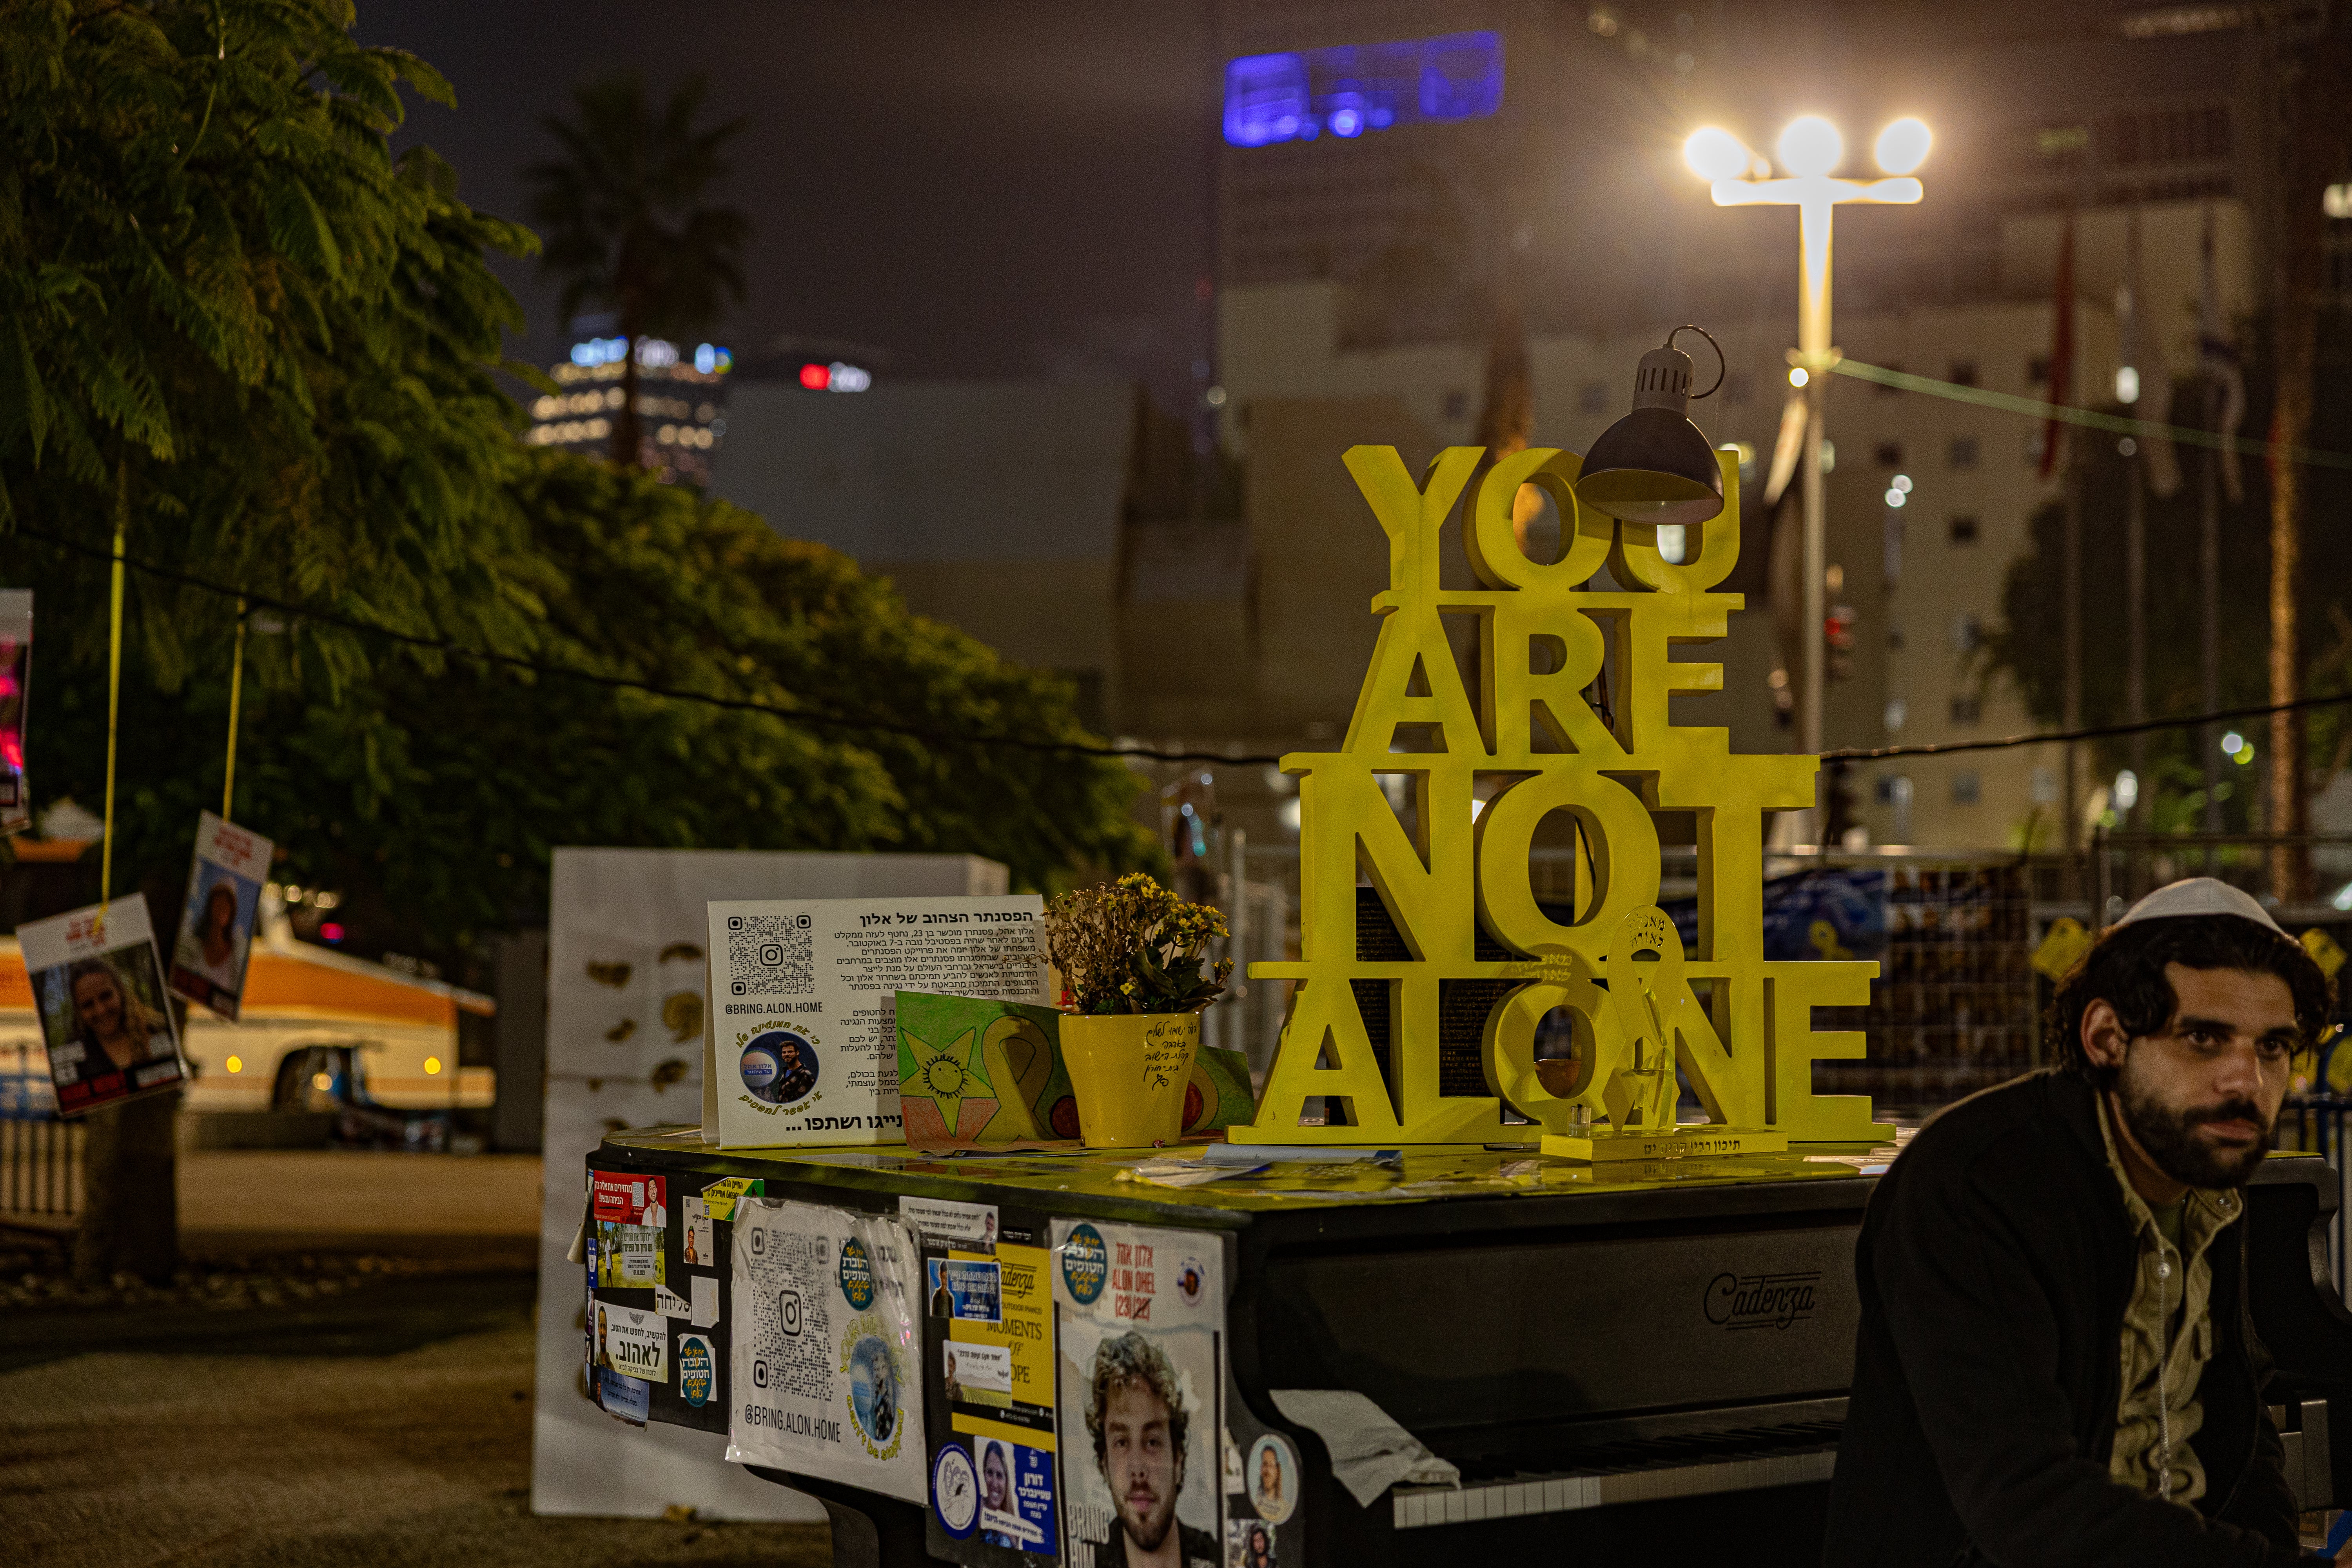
(349, 1398)
(243, 1203)
(390, 1426)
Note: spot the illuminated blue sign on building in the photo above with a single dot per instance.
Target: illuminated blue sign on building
(1370, 87)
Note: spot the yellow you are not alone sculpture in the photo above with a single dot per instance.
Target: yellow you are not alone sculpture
(1457, 888)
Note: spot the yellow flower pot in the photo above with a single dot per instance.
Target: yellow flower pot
(1128, 1072)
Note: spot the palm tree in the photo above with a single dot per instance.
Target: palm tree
(621, 218)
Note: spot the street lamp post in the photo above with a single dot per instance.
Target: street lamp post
(1808, 150)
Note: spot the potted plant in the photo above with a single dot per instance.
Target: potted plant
(1135, 975)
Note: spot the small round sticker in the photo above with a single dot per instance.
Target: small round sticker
(1271, 1478)
(1189, 1279)
(874, 1391)
(955, 1491)
(856, 1275)
(1086, 1264)
(697, 1370)
(779, 1067)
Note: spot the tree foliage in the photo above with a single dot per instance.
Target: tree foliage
(2030, 646)
(431, 795)
(226, 309)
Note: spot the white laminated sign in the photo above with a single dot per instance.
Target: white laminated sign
(827, 1348)
(801, 1044)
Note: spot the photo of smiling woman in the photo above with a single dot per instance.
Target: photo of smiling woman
(216, 918)
(105, 1016)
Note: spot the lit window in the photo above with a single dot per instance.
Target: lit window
(237, 1064)
(432, 1066)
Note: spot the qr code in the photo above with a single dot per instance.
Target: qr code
(770, 955)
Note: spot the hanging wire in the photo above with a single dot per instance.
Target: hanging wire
(235, 688)
(113, 673)
(820, 718)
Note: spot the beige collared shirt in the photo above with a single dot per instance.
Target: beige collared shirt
(2169, 1323)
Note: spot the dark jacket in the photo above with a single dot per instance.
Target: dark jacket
(1995, 1265)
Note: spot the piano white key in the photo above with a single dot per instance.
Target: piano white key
(1566, 1494)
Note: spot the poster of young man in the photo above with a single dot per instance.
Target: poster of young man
(618, 1393)
(105, 1016)
(1140, 1320)
(217, 921)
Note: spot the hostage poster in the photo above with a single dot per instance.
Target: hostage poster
(1139, 1325)
(216, 936)
(803, 1042)
(825, 1378)
(105, 1017)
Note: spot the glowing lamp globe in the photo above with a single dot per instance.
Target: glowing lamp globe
(1902, 146)
(1714, 153)
(1653, 466)
(1809, 147)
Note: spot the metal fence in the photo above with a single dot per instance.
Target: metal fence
(2320, 1123)
(2119, 868)
(41, 1166)
(40, 1156)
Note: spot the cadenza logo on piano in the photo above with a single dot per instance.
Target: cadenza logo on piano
(1760, 1300)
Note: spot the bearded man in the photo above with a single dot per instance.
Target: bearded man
(1136, 1415)
(2057, 1361)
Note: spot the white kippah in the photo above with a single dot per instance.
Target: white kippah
(2200, 895)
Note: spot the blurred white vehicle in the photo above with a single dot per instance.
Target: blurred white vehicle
(319, 1031)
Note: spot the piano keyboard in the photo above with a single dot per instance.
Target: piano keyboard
(1801, 1454)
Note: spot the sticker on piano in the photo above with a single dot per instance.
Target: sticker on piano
(628, 1398)
(966, 1288)
(630, 1216)
(971, 1225)
(1017, 1495)
(633, 1343)
(718, 1197)
(1140, 1330)
(955, 1493)
(1273, 1474)
(1249, 1544)
(823, 1376)
(697, 1370)
(696, 1243)
(976, 1374)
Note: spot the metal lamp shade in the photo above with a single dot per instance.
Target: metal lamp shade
(1652, 466)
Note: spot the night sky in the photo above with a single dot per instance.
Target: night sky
(980, 190)
(998, 189)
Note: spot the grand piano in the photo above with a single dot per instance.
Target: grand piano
(1623, 1364)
